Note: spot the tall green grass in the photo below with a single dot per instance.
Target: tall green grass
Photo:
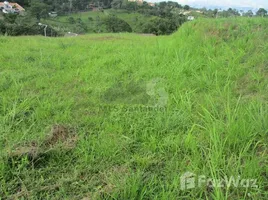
(214, 123)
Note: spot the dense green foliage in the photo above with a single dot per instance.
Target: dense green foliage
(14, 25)
(90, 16)
(144, 16)
(262, 12)
(116, 25)
(131, 143)
(39, 9)
(159, 26)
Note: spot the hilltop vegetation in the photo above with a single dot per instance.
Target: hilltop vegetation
(139, 18)
(130, 114)
(87, 16)
(94, 22)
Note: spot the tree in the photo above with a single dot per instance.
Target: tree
(233, 12)
(215, 12)
(173, 4)
(145, 5)
(115, 24)
(71, 20)
(23, 3)
(39, 9)
(2, 27)
(160, 26)
(117, 4)
(186, 7)
(162, 4)
(249, 13)
(24, 25)
(10, 18)
(80, 4)
(131, 6)
(261, 12)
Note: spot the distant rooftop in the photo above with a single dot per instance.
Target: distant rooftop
(13, 5)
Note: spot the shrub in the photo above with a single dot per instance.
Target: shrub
(160, 26)
(79, 20)
(10, 18)
(71, 20)
(115, 24)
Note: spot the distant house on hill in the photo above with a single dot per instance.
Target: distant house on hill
(140, 2)
(151, 4)
(53, 14)
(186, 12)
(70, 34)
(95, 7)
(190, 18)
(137, 1)
(199, 11)
(7, 7)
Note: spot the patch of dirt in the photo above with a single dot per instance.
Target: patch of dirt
(113, 180)
(243, 86)
(104, 38)
(226, 32)
(31, 150)
(248, 87)
(23, 193)
(262, 154)
(59, 136)
(148, 35)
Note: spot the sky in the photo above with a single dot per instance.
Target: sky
(254, 4)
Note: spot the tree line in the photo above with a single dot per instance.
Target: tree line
(168, 16)
(165, 23)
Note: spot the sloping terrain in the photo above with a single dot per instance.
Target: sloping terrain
(124, 116)
(93, 20)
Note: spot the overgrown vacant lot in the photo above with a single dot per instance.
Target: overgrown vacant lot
(124, 116)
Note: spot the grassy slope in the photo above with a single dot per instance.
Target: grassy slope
(215, 122)
(133, 19)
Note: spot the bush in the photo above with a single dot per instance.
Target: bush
(10, 18)
(71, 20)
(30, 28)
(15, 30)
(79, 20)
(160, 26)
(80, 28)
(2, 27)
(115, 24)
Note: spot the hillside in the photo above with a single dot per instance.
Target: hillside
(124, 116)
(91, 19)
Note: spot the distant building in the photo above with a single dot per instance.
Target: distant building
(186, 12)
(199, 11)
(53, 14)
(70, 34)
(7, 7)
(151, 4)
(140, 2)
(95, 7)
(190, 18)
(137, 1)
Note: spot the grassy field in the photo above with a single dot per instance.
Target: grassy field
(135, 20)
(123, 116)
